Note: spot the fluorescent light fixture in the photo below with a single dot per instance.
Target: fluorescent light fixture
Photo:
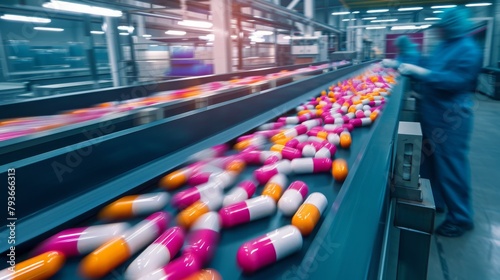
(263, 32)
(208, 37)
(410, 9)
(376, 27)
(369, 18)
(256, 39)
(385, 20)
(355, 12)
(443, 7)
(210, 44)
(377, 11)
(234, 37)
(477, 4)
(437, 12)
(425, 26)
(153, 46)
(195, 23)
(129, 29)
(410, 27)
(97, 32)
(253, 43)
(286, 37)
(353, 19)
(175, 32)
(25, 18)
(340, 13)
(346, 19)
(124, 33)
(247, 47)
(432, 18)
(48, 29)
(146, 35)
(81, 8)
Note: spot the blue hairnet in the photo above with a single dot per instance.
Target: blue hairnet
(455, 23)
(405, 45)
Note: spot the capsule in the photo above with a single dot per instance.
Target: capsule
(206, 204)
(247, 211)
(269, 126)
(203, 177)
(345, 140)
(293, 198)
(327, 151)
(317, 145)
(292, 132)
(297, 140)
(116, 251)
(265, 173)
(289, 120)
(241, 192)
(333, 138)
(189, 196)
(286, 152)
(268, 249)
(256, 141)
(203, 238)
(42, 266)
(215, 151)
(178, 269)
(311, 165)
(340, 169)
(309, 213)
(205, 274)
(308, 151)
(80, 241)
(134, 205)
(361, 122)
(179, 177)
(158, 254)
(312, 123)
(275, 186)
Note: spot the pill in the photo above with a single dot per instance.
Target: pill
(296, 140)
(310, 165)
(269, 126)
(179, 177)
(312, 123)
(203, 237)
(206, 204)
(241, 192)
(256, 141)
(43, 266)
(345, 140)
(215, 151)
(178, 269)
(264, 173)
(286, 152)
(309, 213)
(275, 186)
(291, 132)
(269, 248)
(191, 195)
(158, 254)
(134, 205)
(360, 122)
(293, 198)
(289, 120)
(327, 151)
(339, 169)
(247, 211)
(333, 138)
(205, 274)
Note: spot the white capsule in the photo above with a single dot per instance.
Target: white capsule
(293, 197)
(334, 139)
(308, 151)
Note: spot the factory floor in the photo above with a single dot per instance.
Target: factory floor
(476, 255)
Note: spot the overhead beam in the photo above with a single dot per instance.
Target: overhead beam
(293, 4)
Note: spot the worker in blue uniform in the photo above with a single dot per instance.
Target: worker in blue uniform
(446, 82)
(407, 53)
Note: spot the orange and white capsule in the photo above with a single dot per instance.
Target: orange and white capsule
(257, 141)
(274, 188)
(309, 213)
(134, 205)
(42, 266)
(345, 139)
(206, 204)
(115, 252)
(179, 177)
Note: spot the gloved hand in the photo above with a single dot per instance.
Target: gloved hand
(390, 63)
(413, 70)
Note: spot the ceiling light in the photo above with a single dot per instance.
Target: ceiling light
(81, 8)
(355, 12)
(353, 19)
(208, 37)
(153, 46)
(410, 9)
(346, 19)
(443, 7)
(97, 32)
(247, 47)
(477, 4)
(286, 37)
(129, 29)
(376, 27)
(210, 44)
(146, 36)
(410, 27)
(377, 11)
(48, 29)
(124, 33)
(234, 37)
(385, 20)
(432, 18)
(263, 32)
(340, 13)
(25, 19)
(195, 23)
(369, 18)
(175, 32)
(438, 12)
(256, 39)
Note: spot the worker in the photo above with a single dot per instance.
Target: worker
(446, 82)
(407, 53)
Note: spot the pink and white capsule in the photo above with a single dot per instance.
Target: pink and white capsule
(178, 269)
(308, 151)
(215, 151)
(316, 144)
(80, 241)
(269, 126)
(247, 211)
(259, 157)
(289, 120)
(293, 197)
(158, 254)
(241, 192)
(297, 140)
(312, 123)
(204, 192)
(311, 165)
(295, 131)
(304, 107)
(361, 122)
(266, 172)
(203, 237)
(269, 248)
(327, 151)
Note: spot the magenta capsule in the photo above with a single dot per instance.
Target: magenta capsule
(245, 137)
(286, 152)
(304, 107)
(327, 151)
(314, 131)
(297, 140)
(306, 117)
(348, 126)
(360, 114)
(271, 126)
(80, 241)
(316, 144)
(269, 248)
(241, 192)
(259, 157)
(293, 197)
(247, 211)
(178, 269)
(272, 159)
(215, 151)
(311, 165)
(265, 173)
(313, 123)
(268, 133)
(294, 131)
(361, 122)
(289, 120)
(205, 191)
(203, 177)
(203, 237)
(158, 254)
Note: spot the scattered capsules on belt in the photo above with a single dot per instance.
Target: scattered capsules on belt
(269, 248)
(309, 213)
(247, 211)
(243, 191)
(266, 172)
(275, 186)
(158, 254)
(80, 241)
(116, 251)
(134, 205)
(310, 165)
(43, 266)
(293, 198)
(203, 237)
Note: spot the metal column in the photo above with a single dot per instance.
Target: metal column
(115, 52)
(89, 49)
(309, 13)
(222, 52)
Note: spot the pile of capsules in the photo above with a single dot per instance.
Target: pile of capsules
(301, 144)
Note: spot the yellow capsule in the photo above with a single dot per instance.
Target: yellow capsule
(309, 213)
